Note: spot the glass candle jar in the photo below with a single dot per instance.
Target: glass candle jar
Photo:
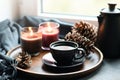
(50, 33)
(31, 40)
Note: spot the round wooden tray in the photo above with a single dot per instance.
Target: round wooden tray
(90, 65)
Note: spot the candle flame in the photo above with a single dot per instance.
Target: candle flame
(31, 31)
(49, 28)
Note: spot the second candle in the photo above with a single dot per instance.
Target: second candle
(50, 33)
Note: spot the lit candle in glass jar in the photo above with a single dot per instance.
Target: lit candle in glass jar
(50, 33)
(31, 40)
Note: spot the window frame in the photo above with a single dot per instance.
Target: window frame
(64, 17)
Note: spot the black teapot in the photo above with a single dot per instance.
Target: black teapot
(108, 39)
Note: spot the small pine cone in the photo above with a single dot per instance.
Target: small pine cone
(24, 60)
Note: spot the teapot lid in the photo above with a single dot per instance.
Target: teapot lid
(111, 9)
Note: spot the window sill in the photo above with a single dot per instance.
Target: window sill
(70, 18)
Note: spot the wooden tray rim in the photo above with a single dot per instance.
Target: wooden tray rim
(62, 74)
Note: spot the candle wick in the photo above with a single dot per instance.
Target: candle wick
(49, 30)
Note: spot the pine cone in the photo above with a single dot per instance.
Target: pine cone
(24, 60)
(84, 34)
(86, 29)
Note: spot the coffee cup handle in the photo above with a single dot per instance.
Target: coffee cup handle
(79, 56)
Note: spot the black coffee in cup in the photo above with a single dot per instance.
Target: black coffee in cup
(64, 52)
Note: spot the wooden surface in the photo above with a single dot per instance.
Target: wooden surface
(36, 70)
